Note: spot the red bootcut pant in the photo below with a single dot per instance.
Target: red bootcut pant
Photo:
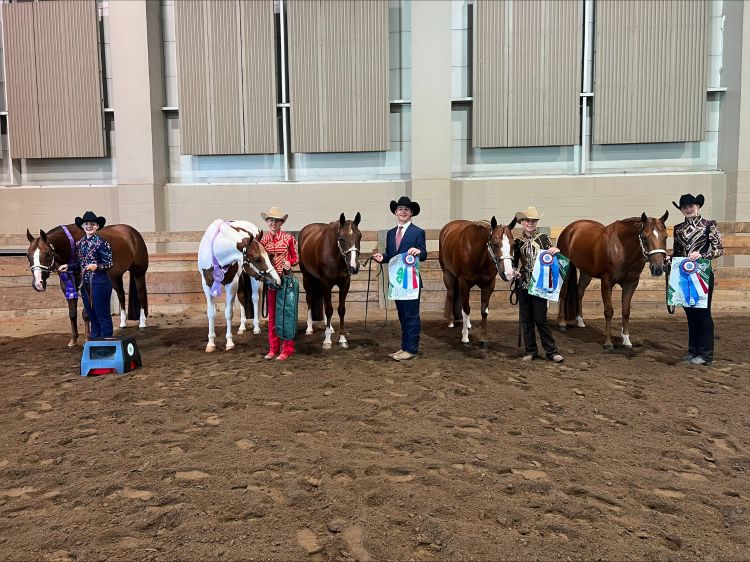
(275, 343)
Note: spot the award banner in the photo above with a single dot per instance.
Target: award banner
(403, 278)
(688, 283)
(548, 275)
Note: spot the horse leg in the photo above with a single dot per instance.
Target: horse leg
(242, 297)
(328, 304)
(210, 313)
(608, 313)
(231, 294)
(485, 307)
(450, 285)
(86, 322)
(343, 291)
(307, 283)
(73, 316)
(628, 289)
(255, 288)
(583, 283)
(464, 290)
(120, 290)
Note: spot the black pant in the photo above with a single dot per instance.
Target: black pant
(701, 328)
(533, 312)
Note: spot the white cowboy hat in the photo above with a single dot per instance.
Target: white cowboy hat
(275, 213)
(529, 214)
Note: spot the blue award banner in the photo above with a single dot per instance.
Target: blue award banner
(403, 278)
(548, 275)
(688, 283)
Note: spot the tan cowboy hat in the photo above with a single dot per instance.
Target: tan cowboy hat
(275, 213)
(529, 214)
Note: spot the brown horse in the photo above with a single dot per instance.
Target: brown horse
(470, 255)
(329, 255)
(616, 254)
(53, 249)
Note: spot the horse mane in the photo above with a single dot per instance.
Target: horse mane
(631, 219)
(484, 223)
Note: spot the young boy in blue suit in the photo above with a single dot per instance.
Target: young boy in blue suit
(410, 239)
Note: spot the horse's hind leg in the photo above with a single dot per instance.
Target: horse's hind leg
(254, 295)
(140, 287)
(451, 295)
(241, 298)
(120, 290)
(583, 282)
(343, 291)
(231, 294)
(608, 313)
(73, 316)
(211, 314)
(628, 289)
(465, 291)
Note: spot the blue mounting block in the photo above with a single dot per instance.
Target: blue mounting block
(107, 355)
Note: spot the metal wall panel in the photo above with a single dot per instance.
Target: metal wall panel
(527, 72)
(651, 71)
(21, 88)
(226, 60)
(338, 75)
(54, 80)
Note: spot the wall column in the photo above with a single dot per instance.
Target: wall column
(431, 111)
(138, 86)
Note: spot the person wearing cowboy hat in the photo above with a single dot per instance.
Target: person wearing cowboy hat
(282, 249)
(95, 258)
(532, 309)
(697, 238)
(408, 238)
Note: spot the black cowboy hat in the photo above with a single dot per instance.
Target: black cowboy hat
(688, 199)
(90, 216)
(404, 201)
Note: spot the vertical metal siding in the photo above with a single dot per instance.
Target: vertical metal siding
(54, 90)
(338, 75)
(21, 92)
(226, 65)
(651, 71)
(526, 72)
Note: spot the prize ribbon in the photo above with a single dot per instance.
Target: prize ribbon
(549, 272)
(692, 284)
(410, 272)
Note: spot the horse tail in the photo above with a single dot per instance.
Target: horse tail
(134, 304)
(315, 288)
(569, 300)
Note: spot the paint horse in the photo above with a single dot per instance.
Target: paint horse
(473, 254)
(329, 255)
(228, 249)
(129, 253)
(616, 254)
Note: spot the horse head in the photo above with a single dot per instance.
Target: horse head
(42, 259)
(499, 247)
(653, 240)
(255, 260)
(348, 240)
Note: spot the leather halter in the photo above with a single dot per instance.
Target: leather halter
(494, 257)
(646, 253)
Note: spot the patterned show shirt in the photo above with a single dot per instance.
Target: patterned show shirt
(525, 250)
(280, 248)
(94, 250)
(697, 234)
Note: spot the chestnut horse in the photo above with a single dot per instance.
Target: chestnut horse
(329, 255)
(229, 253)
(470, 255)
(53, 248)
(616, 254)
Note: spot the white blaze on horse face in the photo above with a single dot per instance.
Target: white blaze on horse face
(37, 272)
(507, 264)
(353, 259)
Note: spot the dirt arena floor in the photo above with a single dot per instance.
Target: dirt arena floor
(462, 454)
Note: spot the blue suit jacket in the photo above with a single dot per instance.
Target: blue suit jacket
(414, 237)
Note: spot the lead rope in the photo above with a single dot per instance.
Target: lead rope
(368, 262)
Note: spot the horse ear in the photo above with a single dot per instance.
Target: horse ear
(513, 223)
(42, 235)
(665, 216)
(493, 222)
(29, 236)
(357, 218)
(644, 218)
(259, 235)
(342, 219)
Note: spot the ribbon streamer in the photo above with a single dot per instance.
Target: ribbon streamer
(691, 283)
(549, 272)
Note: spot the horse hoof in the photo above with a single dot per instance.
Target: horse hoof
(308, 332)
(465, 342)
(241, 331)
(123, 325)
(141, 326)
(563, 327)
(581, 325)
(256, 330)
(451, 325)
(230, 347)
(327, 345)
(344, 344)
(609, 347)
(71, 344)
(210, 348)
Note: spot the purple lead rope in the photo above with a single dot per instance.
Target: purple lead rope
(68, 278)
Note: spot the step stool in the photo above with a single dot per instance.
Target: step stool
(110, 355)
